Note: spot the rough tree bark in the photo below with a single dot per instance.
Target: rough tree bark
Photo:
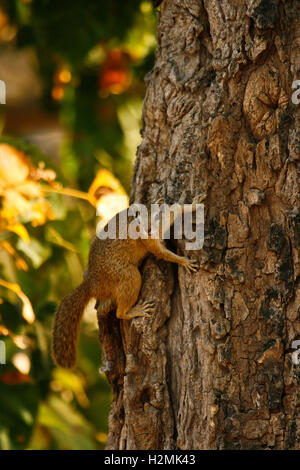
(212, 368)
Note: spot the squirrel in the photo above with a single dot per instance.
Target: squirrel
(113, 278)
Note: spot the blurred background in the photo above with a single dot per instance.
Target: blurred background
(74, 75)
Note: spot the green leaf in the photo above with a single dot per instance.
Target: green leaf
(36, 251)
(19, 405)
(68, 427)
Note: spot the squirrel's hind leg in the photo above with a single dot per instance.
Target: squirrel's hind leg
(127, 295)
(127, 291)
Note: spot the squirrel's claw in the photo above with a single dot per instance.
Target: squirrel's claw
(143, 309)
(148, 307)
(192, 265)
(149, 303)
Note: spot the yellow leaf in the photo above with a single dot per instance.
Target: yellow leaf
(103, 184)
(41, 212)
(20, 189)
(20, 262)
(16, 204)
(27, 310)
(14, 166)
(20, 230)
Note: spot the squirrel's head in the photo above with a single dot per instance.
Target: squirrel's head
(155, 221)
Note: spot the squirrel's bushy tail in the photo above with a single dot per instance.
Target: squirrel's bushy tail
(67, 324)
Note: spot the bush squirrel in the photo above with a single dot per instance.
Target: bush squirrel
(113, 278)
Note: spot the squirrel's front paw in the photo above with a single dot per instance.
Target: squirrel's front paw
(192, 264)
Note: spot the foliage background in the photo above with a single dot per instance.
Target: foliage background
(69, 131)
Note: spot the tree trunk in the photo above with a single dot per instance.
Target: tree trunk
(213, 369)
